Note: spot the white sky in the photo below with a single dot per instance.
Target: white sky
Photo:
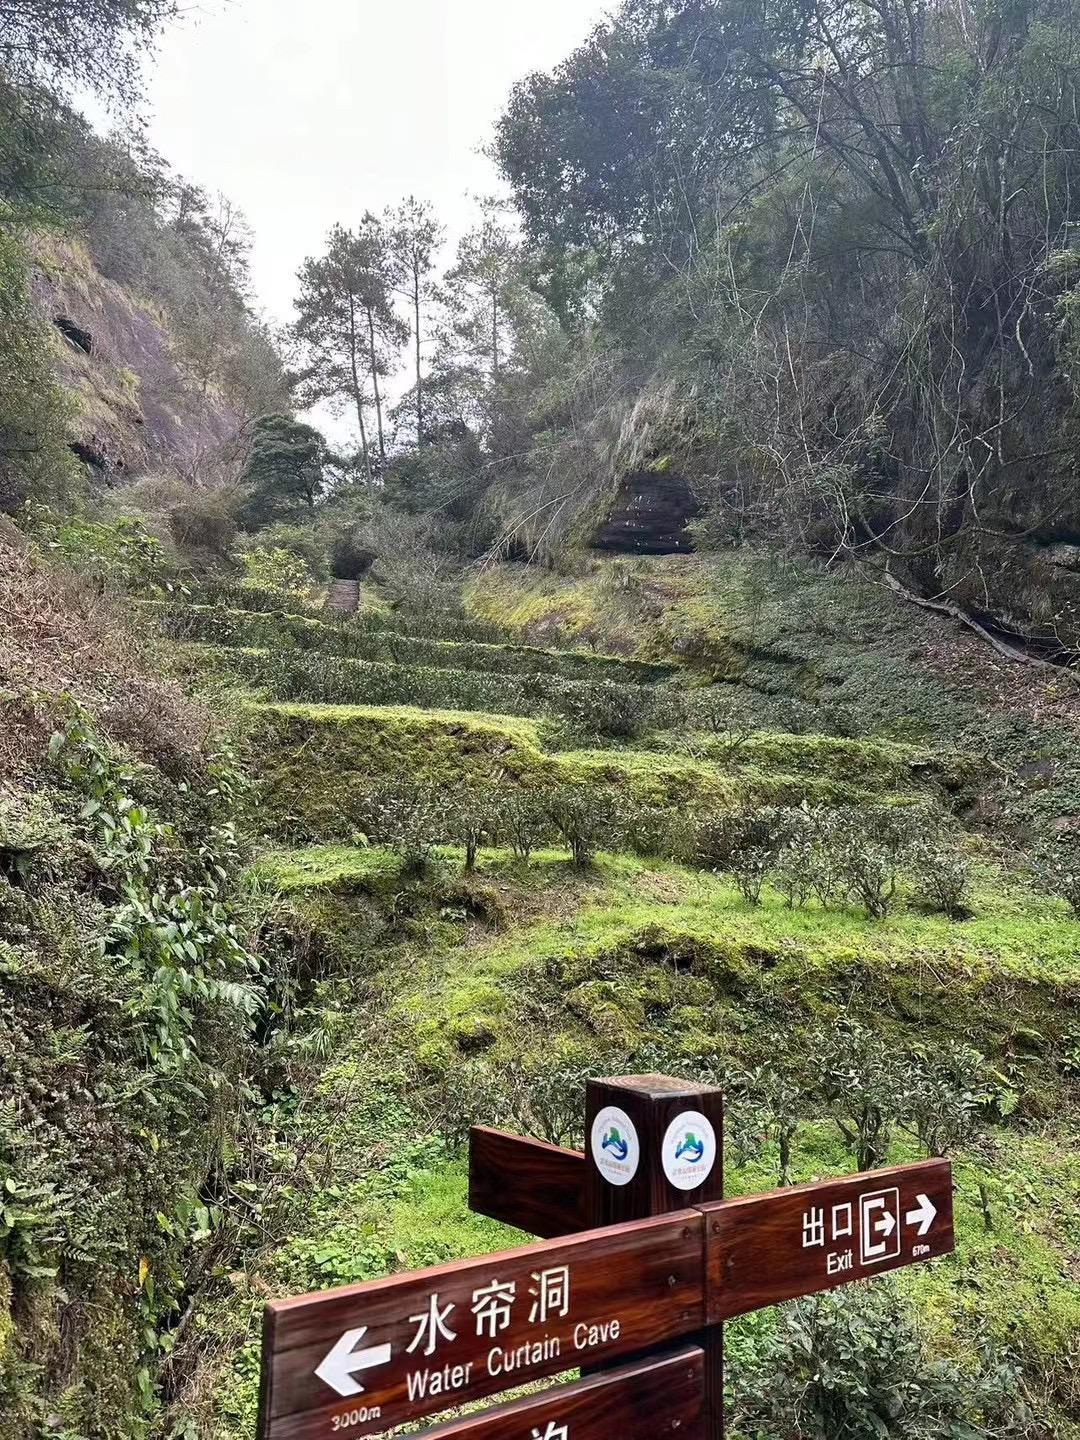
(307, 112)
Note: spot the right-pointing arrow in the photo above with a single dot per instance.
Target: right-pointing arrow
(344, 1360)
(924, 1216)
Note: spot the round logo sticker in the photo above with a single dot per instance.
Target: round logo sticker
(615, 1145)
(689, 1150)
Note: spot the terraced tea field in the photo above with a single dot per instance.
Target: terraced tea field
(425, 788)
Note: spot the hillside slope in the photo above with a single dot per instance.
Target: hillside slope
(138, 405)
(458, 966)
(126, 1007)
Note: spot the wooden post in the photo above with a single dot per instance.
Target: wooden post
(654, 1145)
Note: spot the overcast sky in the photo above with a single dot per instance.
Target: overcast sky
(306, 112)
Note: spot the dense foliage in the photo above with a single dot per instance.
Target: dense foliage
(816, 259)
(739, 815)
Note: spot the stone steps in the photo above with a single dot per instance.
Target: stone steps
(343, 597)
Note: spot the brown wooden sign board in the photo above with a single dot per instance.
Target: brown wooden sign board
(537, 1187)
(371, 1357)
(764, 1249)
(659, 1397)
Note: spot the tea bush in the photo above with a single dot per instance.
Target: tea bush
(854, 1365)
(584, 820)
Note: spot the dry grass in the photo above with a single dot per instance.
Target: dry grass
(60, 638)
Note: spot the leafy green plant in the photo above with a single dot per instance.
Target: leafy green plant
(862, 1086)
(871, 847)
(854, 1365)
(472, 820)
(30, 1222)
(947, 1093)
(1057, 870)
(277, 570)
(776, 1097)
(584, 820)
(620, 712)
(944, 876)
(179, 941)
(520, 819)
(745, 844)
(410, 818)
(120, 554)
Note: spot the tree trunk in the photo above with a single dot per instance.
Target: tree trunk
(375, 382)
(495, 334)
(358, 394)
(419, 376)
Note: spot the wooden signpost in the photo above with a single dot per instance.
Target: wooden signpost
(640, 1256)
(767, 1248)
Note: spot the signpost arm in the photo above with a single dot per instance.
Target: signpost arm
(674, 1145)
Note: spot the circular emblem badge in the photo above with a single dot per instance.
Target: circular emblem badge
(615, 1146)
(689, 1150)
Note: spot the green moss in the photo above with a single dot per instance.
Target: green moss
(537, 603)
(375, 641)
(331, 868)
(319, 762)
(694, 959)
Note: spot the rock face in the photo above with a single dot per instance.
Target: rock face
(138, 409)
(650, 516)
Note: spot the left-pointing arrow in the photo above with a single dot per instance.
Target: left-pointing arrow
(344, 1360)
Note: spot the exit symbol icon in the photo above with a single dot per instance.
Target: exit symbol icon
(879, 1226)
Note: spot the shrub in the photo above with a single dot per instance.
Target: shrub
(655, 830)
(472, 820)
(1057, 870)
(601, 708)
(204, 520)
(115, 554)
(520, 819)
(946, 1093)
(863, 1087)
(943, 878)
(724, 720)
(583, 818)
(870, 847)
(745, 844)
(853, 1364)
(802, 864)
(300, 540)
(409, 819)
(242, 594)
(277, 570)
(776, 1097)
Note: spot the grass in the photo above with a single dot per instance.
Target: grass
(319, 762)
(413, 717)
(222, 626)
(440, 988)
(330, 868)
(631, 946)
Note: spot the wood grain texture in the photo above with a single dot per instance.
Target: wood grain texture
(658, 1397)
(764, 1249)
(653, 1102)
(644, 1283)
(538, 1188)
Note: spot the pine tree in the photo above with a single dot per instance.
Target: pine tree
(346, 327)
(415, 236)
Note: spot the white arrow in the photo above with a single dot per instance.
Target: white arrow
(344, 1360)
(924, 1216)
(887, 1224)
